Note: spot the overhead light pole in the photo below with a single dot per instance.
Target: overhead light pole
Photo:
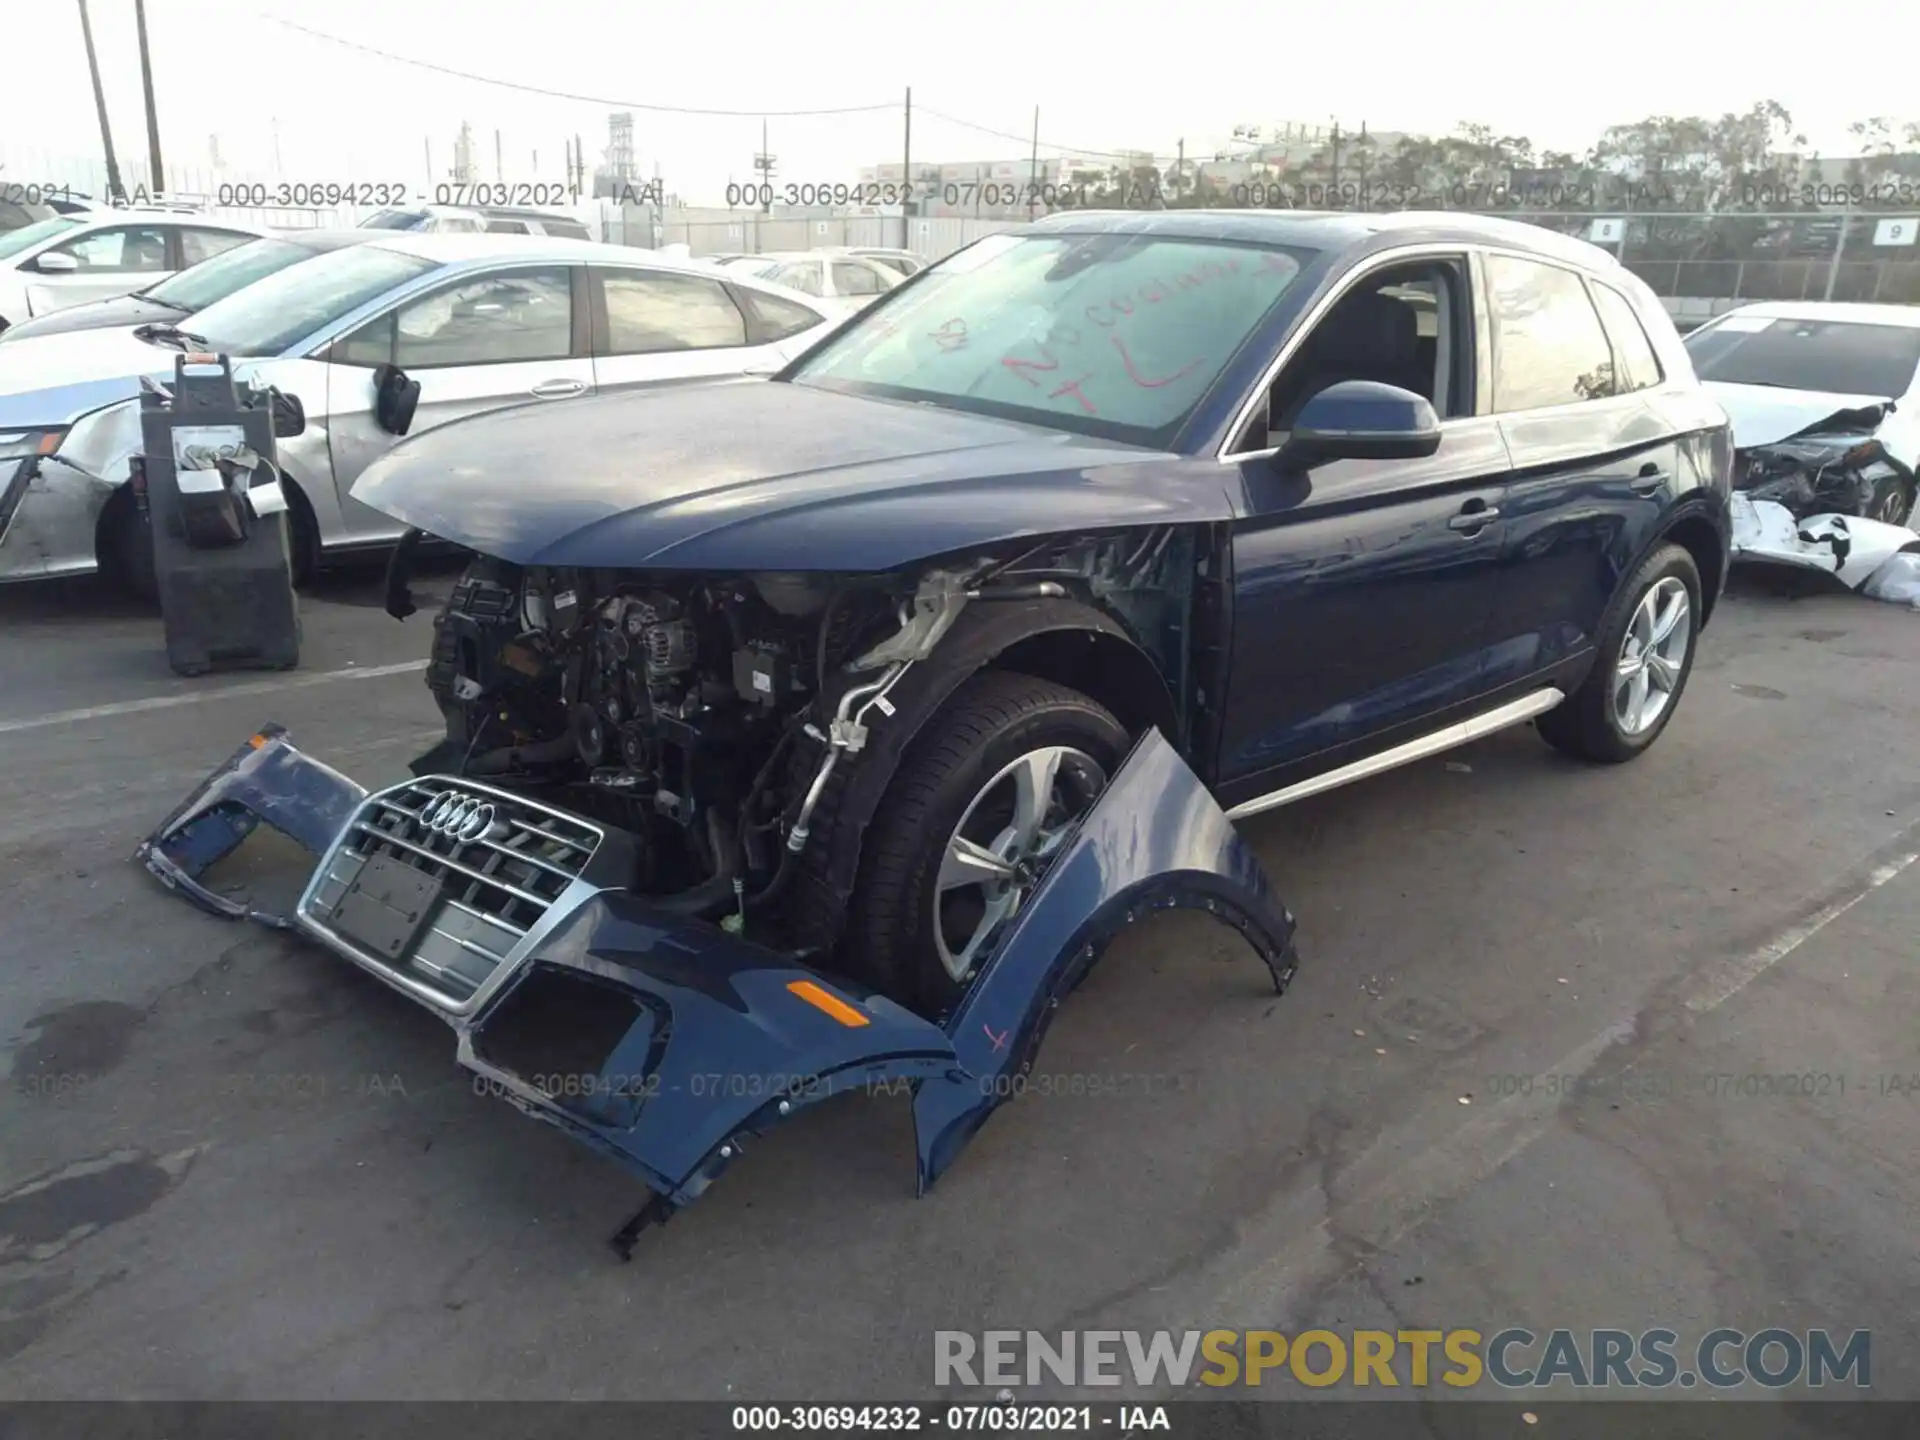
(114, 189)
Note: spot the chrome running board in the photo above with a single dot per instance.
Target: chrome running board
(1447, 738)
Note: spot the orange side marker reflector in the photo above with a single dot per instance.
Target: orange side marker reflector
(832, 1004)
(258, 742)
(49, 443)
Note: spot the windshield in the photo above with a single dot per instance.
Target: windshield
(27, 236)
(200, 285)
(1835, 355)
(271, 314)
(1111, 335)
(394, 220)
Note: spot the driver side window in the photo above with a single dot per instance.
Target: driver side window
(521, 315)
(1403, 325)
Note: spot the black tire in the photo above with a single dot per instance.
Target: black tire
(303, 538)
(1586, 724)
(124, 552)
(1892, 500)
(987, 724)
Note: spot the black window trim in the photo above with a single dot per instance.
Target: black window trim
(756, 339)
(1596, 284)
(577, 347)
(601, 328)
(1585, 277)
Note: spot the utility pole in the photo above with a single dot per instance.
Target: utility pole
(579, 167)
(906, 175)
(763, 166)
(114, 191)
(1180, 168)
(1333, 184)
(1033, 165)
(1365, 202)
(159, 176)
(427, 140)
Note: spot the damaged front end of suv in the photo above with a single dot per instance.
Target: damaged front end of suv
(702, 847)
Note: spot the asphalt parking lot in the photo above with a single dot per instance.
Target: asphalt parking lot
(1508, 1087)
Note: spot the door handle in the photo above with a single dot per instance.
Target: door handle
(1650, 479)
(1473, 521)
(558, 389)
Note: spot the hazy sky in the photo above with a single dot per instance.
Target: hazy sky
(1106, 77)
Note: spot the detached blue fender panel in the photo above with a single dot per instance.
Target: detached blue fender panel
(667, 1042)
(1154, 841)
(265, 779)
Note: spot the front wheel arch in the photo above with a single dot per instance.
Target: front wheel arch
(303, 532)
(987, 635)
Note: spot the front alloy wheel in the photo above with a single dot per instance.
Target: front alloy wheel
(988, 795)
(1012, 827)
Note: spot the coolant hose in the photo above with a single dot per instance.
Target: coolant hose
(516, 757)
(714, 895)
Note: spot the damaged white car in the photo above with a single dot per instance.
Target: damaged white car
(1825, 404)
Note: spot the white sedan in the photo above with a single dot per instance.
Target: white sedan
(453, 325)
(846, 282)
(100, 254)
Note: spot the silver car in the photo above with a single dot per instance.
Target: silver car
(481, 322)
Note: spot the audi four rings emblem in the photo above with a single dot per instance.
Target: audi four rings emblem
(459, 817)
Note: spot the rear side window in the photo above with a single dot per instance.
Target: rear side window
(770, 318)
(651, 313)
(1548, 346)
(855, 279)
(1637, 366)
(802, 277)
(506, 227)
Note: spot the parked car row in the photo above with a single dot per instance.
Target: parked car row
(478, 322)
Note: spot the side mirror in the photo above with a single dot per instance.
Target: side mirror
(55, 262)
(394, 399)
(289, 415)
(1361, 420)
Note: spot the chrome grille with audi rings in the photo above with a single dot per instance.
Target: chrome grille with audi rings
(439, 885)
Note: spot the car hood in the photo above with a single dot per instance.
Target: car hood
(55, 379)
(760, 474)
(121, 312)
(1762, 414)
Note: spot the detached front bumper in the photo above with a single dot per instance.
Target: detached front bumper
(665, 1042)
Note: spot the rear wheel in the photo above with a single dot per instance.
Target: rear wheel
(124, 552)
(1645, 655)
(983, 803)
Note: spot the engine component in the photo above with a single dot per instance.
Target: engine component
(763, 675)
(589, 734)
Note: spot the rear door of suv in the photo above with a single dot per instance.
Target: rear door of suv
(1593, 462)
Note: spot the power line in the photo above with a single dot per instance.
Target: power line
(1045, 144)
(567, 94)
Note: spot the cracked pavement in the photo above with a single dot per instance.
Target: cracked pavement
(236, 1168)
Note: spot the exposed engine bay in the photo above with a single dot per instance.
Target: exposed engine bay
(705, 716)
(663, 711)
